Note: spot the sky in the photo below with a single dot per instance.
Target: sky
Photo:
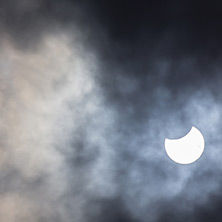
(89, 90)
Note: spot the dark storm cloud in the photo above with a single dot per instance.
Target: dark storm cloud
(102, 158)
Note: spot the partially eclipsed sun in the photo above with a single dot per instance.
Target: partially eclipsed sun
(187, 149)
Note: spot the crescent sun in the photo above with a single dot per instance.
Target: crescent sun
(187, 149)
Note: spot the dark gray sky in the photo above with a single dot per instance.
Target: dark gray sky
(89, 90)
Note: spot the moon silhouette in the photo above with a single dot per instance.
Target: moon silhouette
(187, 149)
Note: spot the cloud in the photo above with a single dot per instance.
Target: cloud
(50, 112)
(89, 91)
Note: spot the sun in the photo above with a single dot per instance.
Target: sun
(187, 149)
